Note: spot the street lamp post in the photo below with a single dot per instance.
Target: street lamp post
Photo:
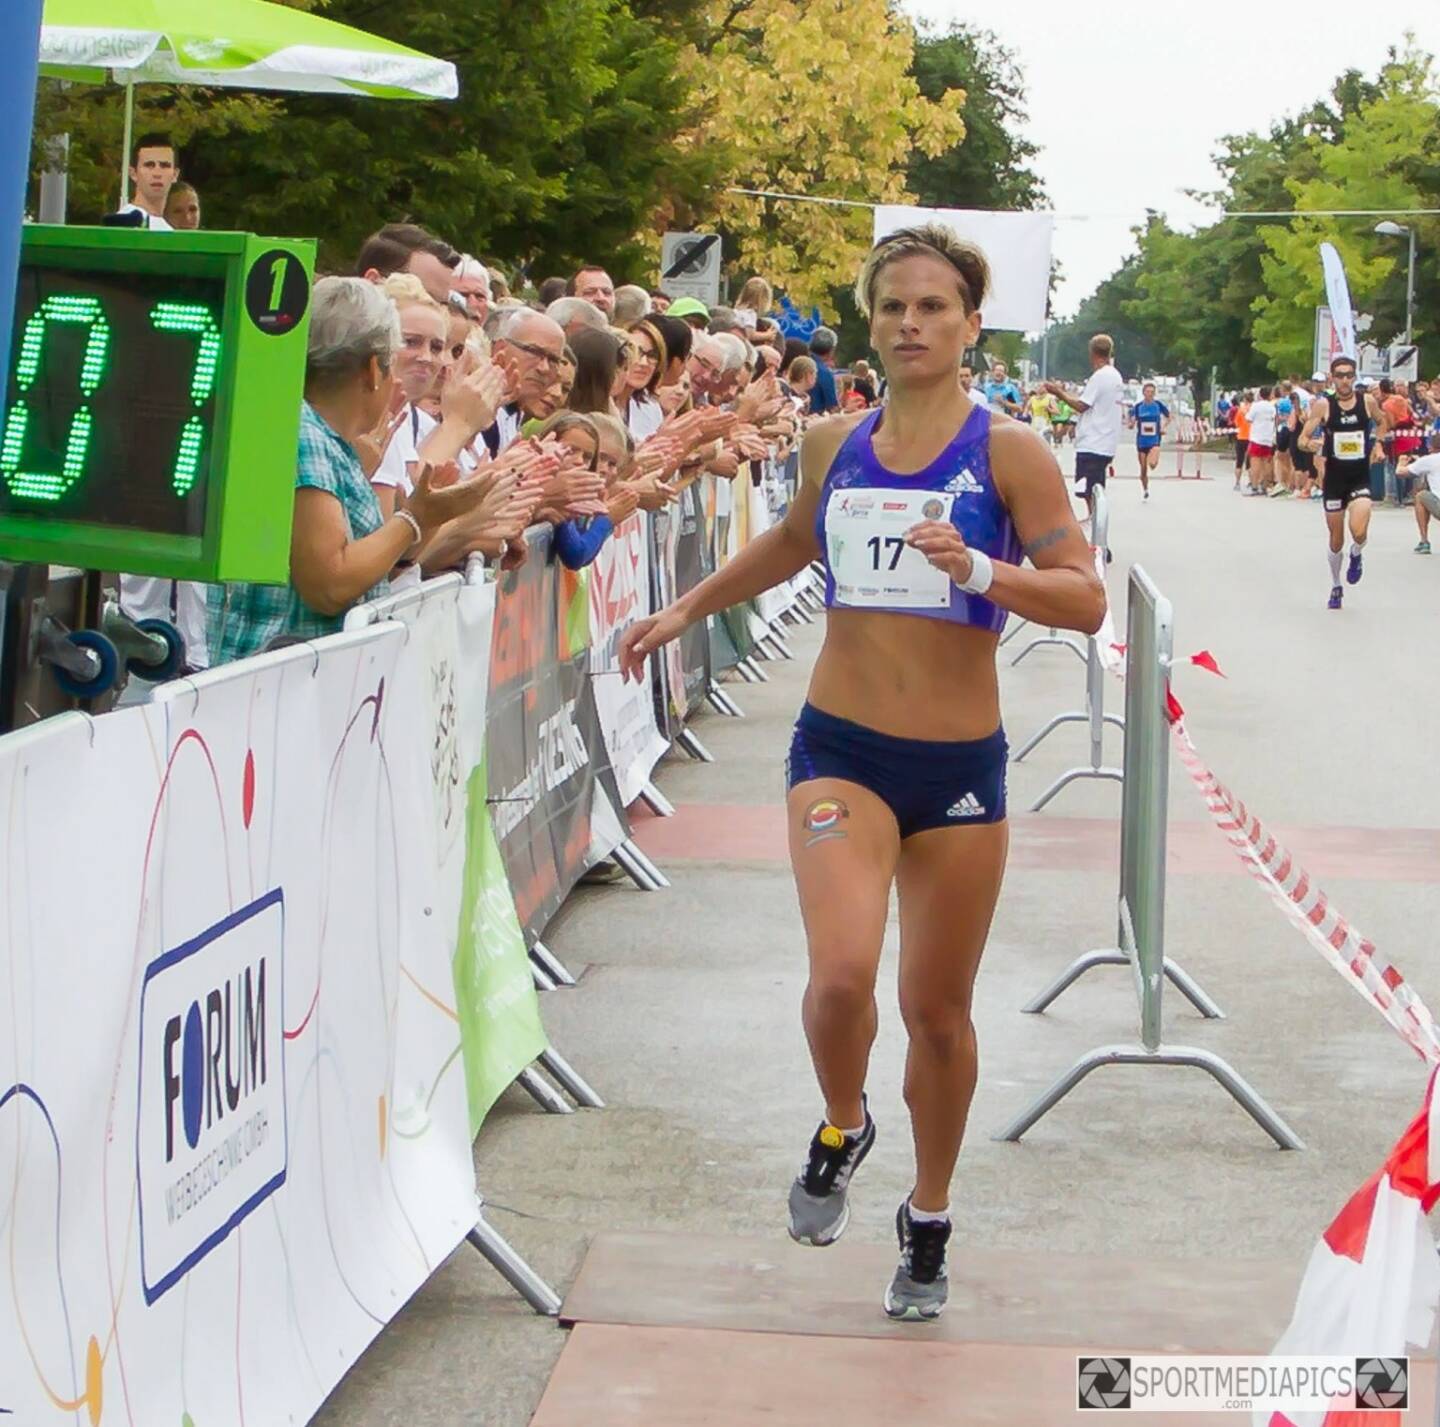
(1394, 230)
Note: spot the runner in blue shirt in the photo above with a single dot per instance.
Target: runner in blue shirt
(1001, 394)
(1151, 420)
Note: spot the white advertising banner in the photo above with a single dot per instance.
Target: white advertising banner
(772, 603)
(1017, 246)
(619, 595)
(233, 1125)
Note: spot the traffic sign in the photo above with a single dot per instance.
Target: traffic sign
(690, 266)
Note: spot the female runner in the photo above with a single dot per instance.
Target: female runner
(921, 510)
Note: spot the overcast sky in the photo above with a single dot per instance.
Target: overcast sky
(1117, 136)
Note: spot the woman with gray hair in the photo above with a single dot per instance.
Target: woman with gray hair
(342, 549)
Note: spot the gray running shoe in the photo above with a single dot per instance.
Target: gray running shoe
(819, 1199)
(921, 1287)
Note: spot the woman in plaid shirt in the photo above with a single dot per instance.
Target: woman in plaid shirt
(342, 549)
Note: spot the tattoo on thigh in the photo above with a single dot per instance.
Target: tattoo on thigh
(1042, 542)
(824, 821)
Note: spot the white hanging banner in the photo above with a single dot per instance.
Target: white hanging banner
(1017, 246)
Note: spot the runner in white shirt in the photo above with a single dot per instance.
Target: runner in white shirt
(1100, 404)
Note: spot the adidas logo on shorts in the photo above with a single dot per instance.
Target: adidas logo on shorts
(964, 484)
(967, 807)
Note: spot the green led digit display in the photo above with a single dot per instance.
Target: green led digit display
(150, 413)
(190, 317)
(50, 485)
(119, 377)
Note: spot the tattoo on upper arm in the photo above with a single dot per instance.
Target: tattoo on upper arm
(1043, 542)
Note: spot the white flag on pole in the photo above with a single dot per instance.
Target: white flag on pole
(1337, 293)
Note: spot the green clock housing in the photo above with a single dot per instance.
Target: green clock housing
(152, 406)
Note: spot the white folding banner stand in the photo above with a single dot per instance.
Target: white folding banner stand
(216, 1196)
(1017, 246)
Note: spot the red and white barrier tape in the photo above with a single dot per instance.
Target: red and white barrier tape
(1291, 887)
(1306, 905)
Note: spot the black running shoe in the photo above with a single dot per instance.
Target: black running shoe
(921, 1287)
(819, 1200)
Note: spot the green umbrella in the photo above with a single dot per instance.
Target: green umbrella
(239, 44)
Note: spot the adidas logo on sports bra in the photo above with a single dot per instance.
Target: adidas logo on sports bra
(967, 807)
(964, 484)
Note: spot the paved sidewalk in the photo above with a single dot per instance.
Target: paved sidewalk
(687, 1015)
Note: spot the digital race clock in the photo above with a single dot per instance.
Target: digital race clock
(153, 402)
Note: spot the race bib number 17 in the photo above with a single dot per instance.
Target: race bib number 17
(872, 565)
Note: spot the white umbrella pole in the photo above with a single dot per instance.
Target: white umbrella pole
(125, 151)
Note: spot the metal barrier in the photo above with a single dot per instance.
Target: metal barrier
(1094, 711)
(1145, 807)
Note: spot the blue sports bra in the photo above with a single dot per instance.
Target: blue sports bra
(962, 471)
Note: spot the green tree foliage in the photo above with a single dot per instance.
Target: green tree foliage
(989, 167)
(561, 146)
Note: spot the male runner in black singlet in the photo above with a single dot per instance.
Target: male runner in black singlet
(1351, 423)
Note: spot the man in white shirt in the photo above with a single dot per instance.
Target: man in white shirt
(153, 172)
(1100, 404)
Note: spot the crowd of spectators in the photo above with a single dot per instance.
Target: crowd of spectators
(446, 413)
(1266, 422)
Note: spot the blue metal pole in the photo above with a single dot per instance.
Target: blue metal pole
(20, 41)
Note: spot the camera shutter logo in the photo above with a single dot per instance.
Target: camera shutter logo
(1382, 1384)
(1103, 1383)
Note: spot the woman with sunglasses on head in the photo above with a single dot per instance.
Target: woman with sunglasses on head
(923, 511)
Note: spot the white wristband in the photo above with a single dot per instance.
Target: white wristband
(414, 525)
(982, 573)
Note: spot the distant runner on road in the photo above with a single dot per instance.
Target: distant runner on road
(1350, 424)
(1151, 420)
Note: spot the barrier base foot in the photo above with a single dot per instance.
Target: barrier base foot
(1111, 956)
(1051, 638)
(656, 801)
(1063, 718)
(721, 702)
(541, 980)
(570, 1080)
(686, 739)
(748, 667)
(513, 1269)
(542, 1092)
(1113, 775)
(1013, 631)
(639, 868)
(1176, 974)
(1219, 1069)
(551, 964)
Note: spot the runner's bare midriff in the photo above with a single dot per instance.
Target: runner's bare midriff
(908, 676)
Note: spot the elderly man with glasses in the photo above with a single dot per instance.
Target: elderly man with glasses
(530, 347)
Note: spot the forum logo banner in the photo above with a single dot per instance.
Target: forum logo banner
(234, 1135)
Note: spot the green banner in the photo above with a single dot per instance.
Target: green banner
(500, 1029)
